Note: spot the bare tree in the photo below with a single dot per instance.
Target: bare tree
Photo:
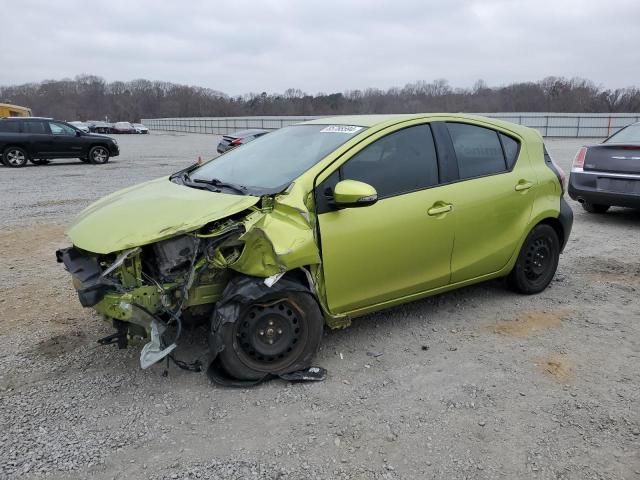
(90, 97)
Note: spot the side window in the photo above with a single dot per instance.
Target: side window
(401, 162)
(61, 129)
(478, 150)
(35, 127)
(10, 127)
(511, 149)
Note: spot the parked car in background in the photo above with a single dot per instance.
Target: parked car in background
(123, 127)
(140, 128)
(98, 126)
(608, 174)
(81, 126)
(42, 139)
(241, 137)
(318, 223)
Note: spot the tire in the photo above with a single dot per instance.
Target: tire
(15, 157)
(537, 261)
(595, 207)
(40, 161)
(275, 334)
(98, 155)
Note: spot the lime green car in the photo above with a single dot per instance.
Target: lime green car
(319, 223)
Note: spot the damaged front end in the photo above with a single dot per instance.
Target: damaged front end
(175, 282)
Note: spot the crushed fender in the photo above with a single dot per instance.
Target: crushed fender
(240, 291)
(277, 241)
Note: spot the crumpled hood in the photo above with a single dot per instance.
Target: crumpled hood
(148, 213)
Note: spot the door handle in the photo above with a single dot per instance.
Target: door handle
(439, 208)
(523, 185)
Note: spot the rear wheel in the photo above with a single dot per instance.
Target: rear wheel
(537, 261)
(595, 207)
(98, 155)
(272, 335)
(15, 157)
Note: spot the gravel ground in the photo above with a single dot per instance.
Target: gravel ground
(478, 383)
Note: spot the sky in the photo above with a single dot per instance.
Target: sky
(327, 46)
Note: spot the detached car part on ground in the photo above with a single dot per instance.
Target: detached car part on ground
(319, 223)
(608, 174)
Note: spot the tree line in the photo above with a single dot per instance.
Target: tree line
(89, 97)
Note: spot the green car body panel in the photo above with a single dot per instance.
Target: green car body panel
(408, 246)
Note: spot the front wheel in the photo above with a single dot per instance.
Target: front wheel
(15, 157)
(98, 155)
(537, 261)
(274, 334)
(595, 207)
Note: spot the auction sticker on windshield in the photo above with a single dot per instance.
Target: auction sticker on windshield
(341, 129)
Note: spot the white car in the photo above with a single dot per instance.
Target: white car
(140, 128)
(80, 126)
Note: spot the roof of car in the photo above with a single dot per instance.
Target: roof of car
(390, 119)
(246, 133)
(26, 118)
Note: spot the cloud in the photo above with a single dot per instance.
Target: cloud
(241, 46)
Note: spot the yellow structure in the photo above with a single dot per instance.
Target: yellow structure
(8, 110)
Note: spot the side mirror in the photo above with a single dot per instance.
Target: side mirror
(352, 193)
(78, 133)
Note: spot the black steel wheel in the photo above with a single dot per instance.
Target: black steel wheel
(272, 336)
(595, 207)
(537, 262)
(98, 155)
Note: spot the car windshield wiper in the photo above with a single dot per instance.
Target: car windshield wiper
(219, 183)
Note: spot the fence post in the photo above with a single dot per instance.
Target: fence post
(578, 130)
(546, 127)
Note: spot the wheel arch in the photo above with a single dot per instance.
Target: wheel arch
(556, 225)
(18, 145)
(99, 144)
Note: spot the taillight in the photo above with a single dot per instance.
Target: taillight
(578, 161)
(562, 177)
(236, 142)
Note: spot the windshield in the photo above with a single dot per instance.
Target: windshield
(273, 161)
(630, 134)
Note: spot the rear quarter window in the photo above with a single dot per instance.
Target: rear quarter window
(10, 127)
(511, 149)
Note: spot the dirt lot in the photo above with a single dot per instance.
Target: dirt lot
(479, 383)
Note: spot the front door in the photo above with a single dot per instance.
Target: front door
(65, 142)
(400, 245)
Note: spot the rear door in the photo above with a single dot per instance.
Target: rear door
(40, 140)
(493, 199)
(65, 142)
